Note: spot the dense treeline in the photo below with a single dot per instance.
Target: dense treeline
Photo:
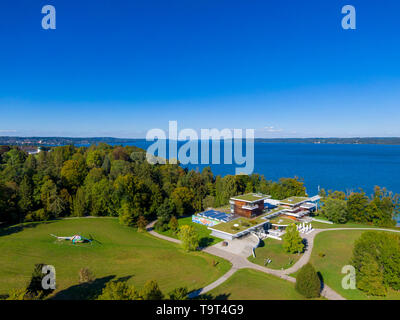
(102, 180)
(380, 209)
(376, 258)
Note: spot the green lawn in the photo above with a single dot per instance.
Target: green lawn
(118, 252)
(337, 247)
(282, 221)
(205, 234)
(273, 249)
(247, 284)
(242, 224)
(249, 197)
(321, 225)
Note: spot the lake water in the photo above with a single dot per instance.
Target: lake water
(329, 166)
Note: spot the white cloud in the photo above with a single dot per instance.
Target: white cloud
(272, 129)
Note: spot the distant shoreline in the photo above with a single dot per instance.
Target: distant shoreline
(54, 141)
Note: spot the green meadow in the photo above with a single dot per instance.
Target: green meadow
(117, 252)
(247, 284)
(333, 250)
(273, 249)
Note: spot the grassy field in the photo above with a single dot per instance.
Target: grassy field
(247, 284)
(273, 249)
(337, 247)
(118, 252)
(205, 238)
(320, 225)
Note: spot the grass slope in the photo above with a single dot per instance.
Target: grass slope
(120, 252)
(338, 249)
(247, 284)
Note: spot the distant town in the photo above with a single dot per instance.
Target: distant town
(59, 141)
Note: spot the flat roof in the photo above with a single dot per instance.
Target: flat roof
(242, 223)
(251, 197)
(294, 200)
(282, 221)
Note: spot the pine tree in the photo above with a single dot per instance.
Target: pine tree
(307, 282)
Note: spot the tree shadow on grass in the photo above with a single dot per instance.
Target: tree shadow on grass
(83, 291)
(321, 279)
(88, 290)
(305, 242)
(6, 231)
(205, 242)
(207, 296)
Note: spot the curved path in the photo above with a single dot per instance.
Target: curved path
(239, 262)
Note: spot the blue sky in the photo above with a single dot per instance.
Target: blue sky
(119, 68)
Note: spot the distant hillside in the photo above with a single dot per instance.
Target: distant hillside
(58, 141)
(372, 140)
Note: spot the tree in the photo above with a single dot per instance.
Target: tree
(118, 290)
(35, 289)
(73, 173)
(79, 208)
(151, 291)
(370, 278)
(173, 224)
(26, 194)
(189, 237)
(94, 159)
(356, 207)
(178, 294)
(335, 210)
(292, 241)
(86, 276)
(307, 282)
(17, 294)
(126, 215)
(376, 258)
(182, 198)
(208, 202)
(53, 204)
(141, 223)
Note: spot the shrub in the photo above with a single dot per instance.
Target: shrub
(17, 294)
(173, 224)
(141, 223)
(86, 276)
(307, 282)
(118, 291)
(178, 294)
(151, 291)
(321, 254)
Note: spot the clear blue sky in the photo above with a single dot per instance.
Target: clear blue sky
(119, 68)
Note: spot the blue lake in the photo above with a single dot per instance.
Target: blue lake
(330, 166)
